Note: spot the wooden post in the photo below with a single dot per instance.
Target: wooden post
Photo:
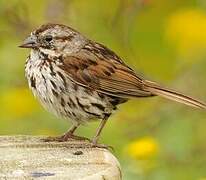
(28, 157)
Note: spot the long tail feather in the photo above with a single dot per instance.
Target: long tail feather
(173, 95)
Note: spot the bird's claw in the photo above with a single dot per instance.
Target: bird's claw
(96, 145)
(65, 138)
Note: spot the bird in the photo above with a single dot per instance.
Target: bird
(81, 80)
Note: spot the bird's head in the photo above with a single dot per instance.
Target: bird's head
(54, 38)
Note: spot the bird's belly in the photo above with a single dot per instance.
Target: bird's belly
(61, 96)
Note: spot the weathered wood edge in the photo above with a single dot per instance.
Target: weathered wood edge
(28, 157)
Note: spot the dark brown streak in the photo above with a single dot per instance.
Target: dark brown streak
(88, 49)
(111, 69)
(75, 86)
(61, 58)
(106, 52)
(99, 106)
(81, 105)
(27, 60)
(93, 114)
(64, 38)
(53, 84)
(71, 102)
(62, 102)
(44, 80)
(91, 62)
(33, 82)
(43, 55)
(107, 73)
(67, 112)
(84, 66)
(63, 78)
(42, 64)
(55, 93)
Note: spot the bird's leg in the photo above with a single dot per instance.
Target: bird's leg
(98, 132)
(68, 135)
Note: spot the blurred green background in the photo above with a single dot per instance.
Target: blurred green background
(162, 39)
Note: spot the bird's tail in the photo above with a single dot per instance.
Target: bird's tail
(173, 95)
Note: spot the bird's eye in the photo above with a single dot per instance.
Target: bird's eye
(48, 38)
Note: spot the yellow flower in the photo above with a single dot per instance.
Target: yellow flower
(18, 102)
(143, 148)
(187, 30)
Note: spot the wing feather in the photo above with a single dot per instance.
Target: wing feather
(103, 72)
(99, 68)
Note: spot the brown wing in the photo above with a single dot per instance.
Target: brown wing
(99, 68)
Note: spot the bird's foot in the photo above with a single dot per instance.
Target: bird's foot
(52, 139)
(96, 145)
(65, 137)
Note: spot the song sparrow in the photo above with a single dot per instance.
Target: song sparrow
(82, 80)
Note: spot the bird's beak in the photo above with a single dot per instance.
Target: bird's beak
(30, 42)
